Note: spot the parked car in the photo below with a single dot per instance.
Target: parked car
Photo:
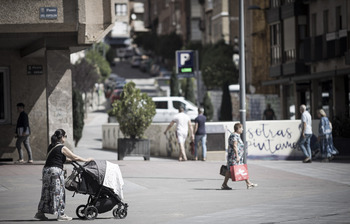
(167, 107)
(115, 95)
(136, 61)
(145, 65)
(113, 82)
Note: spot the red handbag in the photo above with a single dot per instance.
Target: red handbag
(239, 172)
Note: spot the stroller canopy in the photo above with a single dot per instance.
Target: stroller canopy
(107, 174)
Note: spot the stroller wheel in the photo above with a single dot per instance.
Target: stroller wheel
(91, 212)
(115, 212)
(122, 213)
(80, 211)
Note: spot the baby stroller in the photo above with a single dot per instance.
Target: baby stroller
(103, 182)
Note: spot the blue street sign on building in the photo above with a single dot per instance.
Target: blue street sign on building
(185, 63)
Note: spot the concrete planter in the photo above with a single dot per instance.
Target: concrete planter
(133, 147)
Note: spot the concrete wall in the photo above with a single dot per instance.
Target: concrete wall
(47, 98)
(59, 94)
(29, 89)
(28, 40)
(265, 139)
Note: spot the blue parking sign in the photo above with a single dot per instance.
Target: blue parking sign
(185, 62)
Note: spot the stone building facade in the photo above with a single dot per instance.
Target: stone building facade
(36, 40)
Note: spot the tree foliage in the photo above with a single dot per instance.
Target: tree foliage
(84, 75)
(226, 104)
(147, 41)
(78, 116)
(189, 90)
(217, 65)
(174, 85)
(95, 58)
(168, 45)
(208, 107)
(134, 111)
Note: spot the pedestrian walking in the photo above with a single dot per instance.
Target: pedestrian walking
(53, 198)
(325, 137)
(200, 134)
(306, 133)
(22, 133)
(235, 155)
(183, 123)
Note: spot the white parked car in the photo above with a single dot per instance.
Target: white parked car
(167, 107)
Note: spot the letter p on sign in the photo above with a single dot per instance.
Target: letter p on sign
(184, 57)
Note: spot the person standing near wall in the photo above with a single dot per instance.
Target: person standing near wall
(306, 133)
(200, 134)
(269, 114)
(183, 123)
(22, 133)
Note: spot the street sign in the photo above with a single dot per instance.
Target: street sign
(185, 63)
(48, 13)
(34, 69)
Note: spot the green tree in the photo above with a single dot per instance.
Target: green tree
(217, 65)
(110, 55)
(168, 44)
(174, 85)
(189, 92)
(147, 41)
(208, 107)
(78, 116)
(226, 105)
(95, 58)
(134, 111)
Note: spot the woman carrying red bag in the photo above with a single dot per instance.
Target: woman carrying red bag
(235, 155)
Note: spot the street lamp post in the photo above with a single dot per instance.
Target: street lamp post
(242, 110)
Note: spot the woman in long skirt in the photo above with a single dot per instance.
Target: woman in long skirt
(53, 199)
(325, 137)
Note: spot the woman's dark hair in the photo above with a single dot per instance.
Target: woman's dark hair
(59, 134)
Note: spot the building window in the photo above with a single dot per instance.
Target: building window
(338, 19)
(275, 3)
(209, 4)
(313, 25)
(276, 56)
(290, 55)
(4, 96)
(121, 9)
(325, 21)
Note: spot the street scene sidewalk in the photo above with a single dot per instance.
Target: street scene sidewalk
(167, 191)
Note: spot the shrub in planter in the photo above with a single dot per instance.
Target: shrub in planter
(134, 111)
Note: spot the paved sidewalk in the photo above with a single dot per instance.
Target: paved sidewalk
(168, 191)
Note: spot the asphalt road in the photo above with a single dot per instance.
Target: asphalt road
(124, 69)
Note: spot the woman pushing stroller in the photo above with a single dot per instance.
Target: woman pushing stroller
(53, 198)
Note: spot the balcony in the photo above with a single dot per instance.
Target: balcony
(294, 68)
(275, 71)
(273, 15)
(293, 9)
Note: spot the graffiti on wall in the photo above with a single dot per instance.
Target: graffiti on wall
(272, 138)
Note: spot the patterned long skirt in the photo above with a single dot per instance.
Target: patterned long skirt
(53, 199)
(327, 147)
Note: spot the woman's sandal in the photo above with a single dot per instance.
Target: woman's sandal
(251, 185)
(225, 187)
